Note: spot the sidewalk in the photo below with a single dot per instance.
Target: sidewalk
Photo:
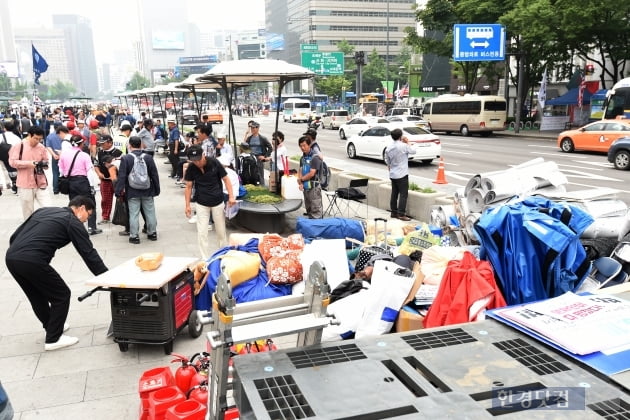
(91, 379)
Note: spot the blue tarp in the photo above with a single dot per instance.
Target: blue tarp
(534, 248)
(571, 98)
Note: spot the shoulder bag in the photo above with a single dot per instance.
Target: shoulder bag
(64, 181)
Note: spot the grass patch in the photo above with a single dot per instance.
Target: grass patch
(261, 195)
(415, 187)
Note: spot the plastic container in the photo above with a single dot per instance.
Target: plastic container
(162, 399)
(152, 380)
(290, 189)
(186, 410)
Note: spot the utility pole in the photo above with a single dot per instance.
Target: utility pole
(359, 59)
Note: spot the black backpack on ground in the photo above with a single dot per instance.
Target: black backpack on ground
(249, 170)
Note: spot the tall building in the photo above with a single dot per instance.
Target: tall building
(80, 52)
(52, 45)
(366, 25)
(8, 58)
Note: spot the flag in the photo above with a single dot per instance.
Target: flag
(542, 92)
(397, 92)
(581, 91)
(39, 64)
(405, 90)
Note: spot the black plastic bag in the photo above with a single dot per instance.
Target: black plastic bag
(121, 214)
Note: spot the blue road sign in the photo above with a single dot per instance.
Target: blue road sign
(479, 42)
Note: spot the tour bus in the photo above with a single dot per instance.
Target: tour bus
(467, 114)
(296, 110)
(617, 102)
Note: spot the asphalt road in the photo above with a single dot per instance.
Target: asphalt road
(467, 156)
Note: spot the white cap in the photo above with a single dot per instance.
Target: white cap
(224, 159)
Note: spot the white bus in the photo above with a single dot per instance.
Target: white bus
(296, 110)
(467, 114)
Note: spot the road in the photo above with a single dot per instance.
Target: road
(465, 157)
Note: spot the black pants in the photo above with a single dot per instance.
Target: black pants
(48, 293)
(79, 185)
(400, 192)
(173, 158)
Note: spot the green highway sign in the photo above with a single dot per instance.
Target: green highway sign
(324, 63)
(309, 47)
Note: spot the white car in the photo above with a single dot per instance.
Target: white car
(359, 124)
(412, 119)
(373, 142)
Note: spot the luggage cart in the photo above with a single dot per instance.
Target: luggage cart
(304, 315)
(150, 307)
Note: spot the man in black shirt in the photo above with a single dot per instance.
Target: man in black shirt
(207, 175)
(32, 247)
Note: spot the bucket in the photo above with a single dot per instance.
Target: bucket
(152, 380)
(162, 399)
(290, 189)
(186, 410)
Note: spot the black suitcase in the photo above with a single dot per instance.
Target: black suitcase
(368, 252)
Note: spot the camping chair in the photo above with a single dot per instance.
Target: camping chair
(343, 198)
(607, 271)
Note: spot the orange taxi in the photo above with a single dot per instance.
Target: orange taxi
(595, 137)
(215, 117)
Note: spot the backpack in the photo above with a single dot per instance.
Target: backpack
(139, 175)
(249, 170)
(323, 174)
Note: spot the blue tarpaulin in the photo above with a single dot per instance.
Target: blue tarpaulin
(534, 248)
(571, 98)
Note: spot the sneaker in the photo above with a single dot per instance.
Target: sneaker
(64, 341)
(192, 220)
(95, 231)
(152, 237)
(134, 240)
(103, 222)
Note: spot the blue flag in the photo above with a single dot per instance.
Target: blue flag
(39, 65)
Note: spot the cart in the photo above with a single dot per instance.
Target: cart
(150, 307)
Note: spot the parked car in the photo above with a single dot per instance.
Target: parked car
(595, 137)
(373, 142)
(619, 153)
(359, 124)
(334, 118)
(189, 117)
(413, 119)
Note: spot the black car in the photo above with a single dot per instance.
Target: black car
(619, 153)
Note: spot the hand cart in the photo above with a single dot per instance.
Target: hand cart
(150, 307)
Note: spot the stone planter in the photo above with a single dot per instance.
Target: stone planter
(418, 203)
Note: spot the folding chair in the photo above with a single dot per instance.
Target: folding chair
(354, 193)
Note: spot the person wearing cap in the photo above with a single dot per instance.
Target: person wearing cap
(79, 183)
(138, 199)
(106, 174)
(174, 140)
(205, 121)
(261, 148)
(120, 141)
(224, 149)
(208, 177)
(146, 135)
(53, 144)
(312, 136)
(24, 157)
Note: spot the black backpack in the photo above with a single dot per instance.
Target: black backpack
(324, 175)
(249, 170)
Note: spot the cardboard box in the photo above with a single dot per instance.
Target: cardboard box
(408, 321)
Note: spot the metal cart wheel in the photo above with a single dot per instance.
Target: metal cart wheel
(195, 327)
(123, 347)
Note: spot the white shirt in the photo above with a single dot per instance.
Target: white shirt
(281, 152)
(233, 180)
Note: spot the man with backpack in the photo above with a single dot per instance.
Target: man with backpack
(138, 179)
(261, 148)
(310, 166)
(248, 166)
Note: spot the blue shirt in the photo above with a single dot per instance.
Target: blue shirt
(173, 135)
(397, 158)
(54, 142)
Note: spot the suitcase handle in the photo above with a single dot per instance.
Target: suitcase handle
(380, 219)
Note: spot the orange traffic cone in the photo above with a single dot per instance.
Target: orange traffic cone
(441, 177)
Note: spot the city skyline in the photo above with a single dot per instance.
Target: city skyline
(116, 28)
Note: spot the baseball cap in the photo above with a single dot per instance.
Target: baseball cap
(70, 125)
(195, 153)
(93, 124)
(244, 146)
(225, 160)
(170, 120)
(125, 125)
(254, 124)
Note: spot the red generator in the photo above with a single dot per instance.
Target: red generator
(150, 307)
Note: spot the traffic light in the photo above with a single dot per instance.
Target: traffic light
(359, 58)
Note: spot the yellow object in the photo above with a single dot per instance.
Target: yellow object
(240, 266)
(420, 239)
(149, 261)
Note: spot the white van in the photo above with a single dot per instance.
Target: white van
(399, 111)
(333, 118)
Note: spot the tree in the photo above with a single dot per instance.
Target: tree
(60, 91)
(373, 73)
(138, 81)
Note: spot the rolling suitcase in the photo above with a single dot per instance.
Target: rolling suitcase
(369, 252)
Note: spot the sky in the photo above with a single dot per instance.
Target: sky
(114, 22)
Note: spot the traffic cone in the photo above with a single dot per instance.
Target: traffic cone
(441, 177)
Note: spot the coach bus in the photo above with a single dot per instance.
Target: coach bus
(295, 109)
(618, 101)
(466, 114)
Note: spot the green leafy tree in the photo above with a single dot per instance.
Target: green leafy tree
(60, 91)
(373, 73)
(137, 81)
